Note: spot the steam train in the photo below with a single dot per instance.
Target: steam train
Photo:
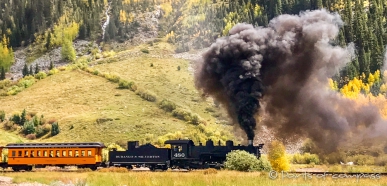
(182, 154)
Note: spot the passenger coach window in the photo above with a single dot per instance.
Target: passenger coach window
(38, 153)
(64, 153)
(19, 153)
(70, 153)
(83, 153)
(89, 153)
(13, 153)
(26, 153)
(76, 153)
(51, 153)
(32, 153)
(57, 153)
(45, 153)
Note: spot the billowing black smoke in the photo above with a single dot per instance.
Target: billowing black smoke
(282, 71)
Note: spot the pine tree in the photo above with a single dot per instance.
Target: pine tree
(23, 117)
(51, 65)
(2, 76)
(55, 129)
(25, 70)
(36, 68)
(31, 71)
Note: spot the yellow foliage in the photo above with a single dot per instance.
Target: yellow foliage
(123, 16)
(6, 54)
(277, 156)
(167, 8)
(332, 84)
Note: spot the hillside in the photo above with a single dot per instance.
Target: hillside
(91, 108)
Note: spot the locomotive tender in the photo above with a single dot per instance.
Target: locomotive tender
(181, 154)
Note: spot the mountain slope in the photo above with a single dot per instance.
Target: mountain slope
(91, 108)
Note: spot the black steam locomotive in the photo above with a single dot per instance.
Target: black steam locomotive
(183, 154)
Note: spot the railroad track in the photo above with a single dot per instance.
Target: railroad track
(291, 173)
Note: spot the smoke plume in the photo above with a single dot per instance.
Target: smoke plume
(280, 74)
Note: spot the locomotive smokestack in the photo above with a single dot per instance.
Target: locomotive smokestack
(250, 142)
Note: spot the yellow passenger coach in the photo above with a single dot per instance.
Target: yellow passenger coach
(25, 156)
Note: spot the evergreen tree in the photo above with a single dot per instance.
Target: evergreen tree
(25, 70)
(23, 117)
(51, 65)
(2, 76)
(31, 71)
(36, 68)
(55, 129)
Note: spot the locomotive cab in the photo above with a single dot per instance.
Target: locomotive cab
(180, 149)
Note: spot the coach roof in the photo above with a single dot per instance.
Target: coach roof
(67, 145)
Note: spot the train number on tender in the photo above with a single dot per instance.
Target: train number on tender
(179, 155)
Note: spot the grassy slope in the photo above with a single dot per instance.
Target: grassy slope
(76, 98)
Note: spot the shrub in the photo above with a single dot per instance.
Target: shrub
(243, 161)
(53, 71)
(381, 160)
(28, 127)
(42, 130)
(146, 94)
(5, 83)
(362, 159)
(277, 157)
(144, 50)
(112, 77)
(167, 105)
(55, 129)
(123, 84)
(186, 115)
(182, 114)
(40, 75)
(31, 136)
(14, 90)
(305, 158)
(8, 125)
(2, 115)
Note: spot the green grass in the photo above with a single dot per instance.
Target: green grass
(197, 178)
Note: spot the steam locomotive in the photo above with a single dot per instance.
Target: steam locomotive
(182, 154)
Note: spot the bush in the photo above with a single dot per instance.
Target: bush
(146, 94)
(123, 84)
(31, 136)
(186, 115)
(243, 161)
(277, 157)
(144, 50)
(5, 83)
(381, 160)
(53, 71)
(362, 159)
(55, 129)
(167, 105)
(112, 77)
(306, 158)
(2, 115)
(40, 75)
(28, 128)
